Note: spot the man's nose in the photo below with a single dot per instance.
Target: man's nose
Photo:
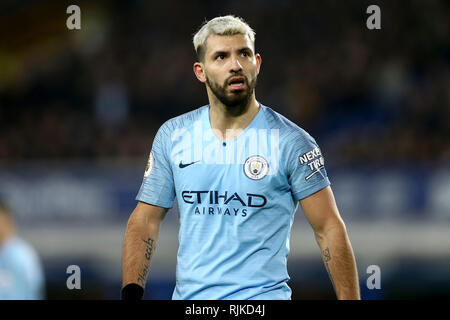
(235, 65)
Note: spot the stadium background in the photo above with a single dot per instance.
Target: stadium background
(79, 109)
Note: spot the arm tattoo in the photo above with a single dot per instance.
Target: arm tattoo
(326, 259)
(326, 255)
(146, 267)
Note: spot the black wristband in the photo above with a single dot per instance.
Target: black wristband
(132, 291)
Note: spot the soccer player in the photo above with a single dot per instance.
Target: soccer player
(21, 274)
(238, 170)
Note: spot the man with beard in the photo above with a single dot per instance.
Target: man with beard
(239, 171)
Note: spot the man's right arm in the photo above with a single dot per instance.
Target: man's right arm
(140, 240)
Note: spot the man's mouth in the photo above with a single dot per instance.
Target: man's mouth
(237, 83)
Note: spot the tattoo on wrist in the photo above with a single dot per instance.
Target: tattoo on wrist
(326, 255)
(149, 248)
(326, 259)
(142, 276)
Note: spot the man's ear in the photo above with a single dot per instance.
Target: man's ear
(258, 62)
(199, 72)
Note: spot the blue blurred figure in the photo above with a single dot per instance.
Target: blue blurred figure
(21, 273)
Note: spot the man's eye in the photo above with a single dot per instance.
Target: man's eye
(220, 57)
(245, 54)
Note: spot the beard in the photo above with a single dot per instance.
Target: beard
(235, 98)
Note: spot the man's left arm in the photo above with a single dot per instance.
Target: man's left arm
(331, 235)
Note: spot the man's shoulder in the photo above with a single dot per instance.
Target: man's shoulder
(19, 251)
(288, 130)
(183, 120)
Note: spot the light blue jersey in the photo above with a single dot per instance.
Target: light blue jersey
(236, 201)
(21, 274)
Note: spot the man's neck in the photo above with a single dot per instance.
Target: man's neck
(4, 237)
(230, 122)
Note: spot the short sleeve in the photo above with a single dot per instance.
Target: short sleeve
(29, 275)
(157, 186)
(22, 274)
(306, 167)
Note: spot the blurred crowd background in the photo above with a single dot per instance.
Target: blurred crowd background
(84, 105)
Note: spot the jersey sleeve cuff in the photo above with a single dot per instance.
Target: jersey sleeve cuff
(159, 203)
(313, 189)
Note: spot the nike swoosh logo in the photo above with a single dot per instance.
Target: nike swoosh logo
(184, 165)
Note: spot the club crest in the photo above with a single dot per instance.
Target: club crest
(256, 167)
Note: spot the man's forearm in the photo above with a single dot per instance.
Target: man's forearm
(339, 260)
(138, 249)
